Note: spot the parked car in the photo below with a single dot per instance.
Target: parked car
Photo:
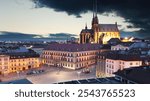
(35, 72)
(30, 73)
(86, 70)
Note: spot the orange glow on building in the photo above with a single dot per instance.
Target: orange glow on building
(9, 64)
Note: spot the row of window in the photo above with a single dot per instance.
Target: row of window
(110, 66)
(69, 54)
(23, 64)
(108, 71)
(120, 48)
(4, 59)
(5, 63)
(69, 59)
(122, 63)
(4, 67)
(20, 60)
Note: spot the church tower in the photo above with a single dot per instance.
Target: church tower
(95, 22)
(99, 33)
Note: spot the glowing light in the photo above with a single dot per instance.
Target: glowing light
(126, 38)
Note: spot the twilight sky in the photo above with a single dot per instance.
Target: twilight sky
(69, 16)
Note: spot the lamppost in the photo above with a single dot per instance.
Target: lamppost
(78, 74)
(57, 66)
(18, 73)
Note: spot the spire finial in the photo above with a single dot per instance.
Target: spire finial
(93, 9)
(96, 8)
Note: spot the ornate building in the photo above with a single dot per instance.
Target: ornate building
(71, 56)
(99, 33)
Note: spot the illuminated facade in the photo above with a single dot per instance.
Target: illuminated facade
(18, 62)
(71, 56)
(4, 64)
(99, 33)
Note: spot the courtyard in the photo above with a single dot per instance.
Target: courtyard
(52, 75)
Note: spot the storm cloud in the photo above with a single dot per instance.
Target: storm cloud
(136, 12)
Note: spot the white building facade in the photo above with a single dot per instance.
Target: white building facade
(113, 65)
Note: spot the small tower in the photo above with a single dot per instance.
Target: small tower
(95, 21)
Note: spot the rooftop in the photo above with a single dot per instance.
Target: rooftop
(73, 47)
(22, 81)
(22, 55)
(108, 80)
(139, 75)
(87, 31)
(125, 44)
(123, 55)
(108, 27)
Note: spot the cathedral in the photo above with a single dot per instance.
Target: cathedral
(99, 33)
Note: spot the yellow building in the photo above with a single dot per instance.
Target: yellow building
(18, 62)
(99, 33)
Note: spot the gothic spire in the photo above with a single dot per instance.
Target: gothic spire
(96, 8)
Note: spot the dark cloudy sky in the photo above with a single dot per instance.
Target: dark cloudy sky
(69, 16)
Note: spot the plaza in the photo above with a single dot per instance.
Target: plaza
(52, 75)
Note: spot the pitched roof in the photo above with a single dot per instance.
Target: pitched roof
(87, 31)
(108, 27)
(136, 74)
(73, 47)
(122, 55)
(23, 55)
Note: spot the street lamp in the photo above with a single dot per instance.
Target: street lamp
(78, 74)
(18, 73)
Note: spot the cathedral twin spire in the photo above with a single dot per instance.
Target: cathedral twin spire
(95, 18)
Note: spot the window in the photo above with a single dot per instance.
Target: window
(131, 63)
(112, 67)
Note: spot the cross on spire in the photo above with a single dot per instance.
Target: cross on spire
(94, 8)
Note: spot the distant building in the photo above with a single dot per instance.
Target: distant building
(121, 46)
(127, 39)
(139, 45)
(99, 33)
(71, 56)
(137, 40)
(134, 75)
(114, 41)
